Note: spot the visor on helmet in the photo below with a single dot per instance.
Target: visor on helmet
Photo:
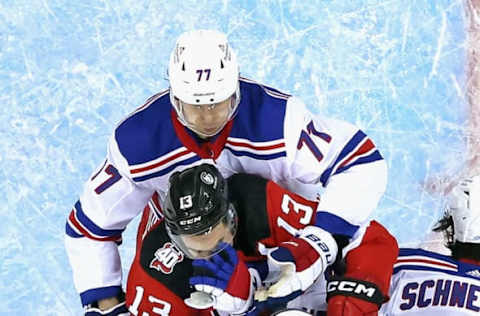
(220, 113)
(210, 241)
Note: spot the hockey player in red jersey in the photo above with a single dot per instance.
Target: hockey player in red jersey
(228, 238)
(209, 114)
(428, 283)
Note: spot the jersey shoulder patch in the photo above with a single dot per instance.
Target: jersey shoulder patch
(164, 262)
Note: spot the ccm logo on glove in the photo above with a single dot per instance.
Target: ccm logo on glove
(357, 288)
(351, 286)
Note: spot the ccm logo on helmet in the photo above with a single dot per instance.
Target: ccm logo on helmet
(190, 220)
(352, 287)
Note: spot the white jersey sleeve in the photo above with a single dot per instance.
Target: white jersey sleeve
(110, 200)
(339, 156)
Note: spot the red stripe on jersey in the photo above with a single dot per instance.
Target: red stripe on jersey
(268, 147)
(86, 233)
(156, 200)
(470, 261)
(366, 147)
(417, 261)
(143, 224)
(162, 162)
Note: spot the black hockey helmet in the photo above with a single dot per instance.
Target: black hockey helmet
(196, 201)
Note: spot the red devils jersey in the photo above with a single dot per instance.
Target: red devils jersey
(158, 279)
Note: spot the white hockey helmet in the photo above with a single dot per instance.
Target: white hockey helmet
(464, 208)
(203, 70)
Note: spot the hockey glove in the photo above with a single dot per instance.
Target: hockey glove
(227, 279)
(352, 297)
(296, 264)
(118, 310)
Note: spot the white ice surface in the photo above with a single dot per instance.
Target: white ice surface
(70, 70)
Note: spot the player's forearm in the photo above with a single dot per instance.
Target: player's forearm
(354, 195)
(369, 266)
(95, 265)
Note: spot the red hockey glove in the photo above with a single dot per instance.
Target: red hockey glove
(351, 297)
(294, 265)
(364, 286)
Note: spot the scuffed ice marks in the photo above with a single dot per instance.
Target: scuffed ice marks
(70, 71)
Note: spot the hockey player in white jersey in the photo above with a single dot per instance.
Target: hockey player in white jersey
(211, 115)
(427, 283)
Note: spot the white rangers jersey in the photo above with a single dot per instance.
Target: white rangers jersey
(427, 283)
(272, 135)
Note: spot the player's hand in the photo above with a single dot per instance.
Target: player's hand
(118, 310)
(227, 279)
(351, 297)
(297, 264)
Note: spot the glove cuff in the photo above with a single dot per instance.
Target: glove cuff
(363, 290)
(322, 241)
(255, 283)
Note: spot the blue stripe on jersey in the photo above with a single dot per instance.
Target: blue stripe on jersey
(370, 158)
(71, 232)
(463, 268)
(92, 227)
(407, 266)
(94, 295)
(335, 224)
(260, 116)
(148, 134)
(347, 149)
(256, 156)
(162, 172)
(422, 252)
